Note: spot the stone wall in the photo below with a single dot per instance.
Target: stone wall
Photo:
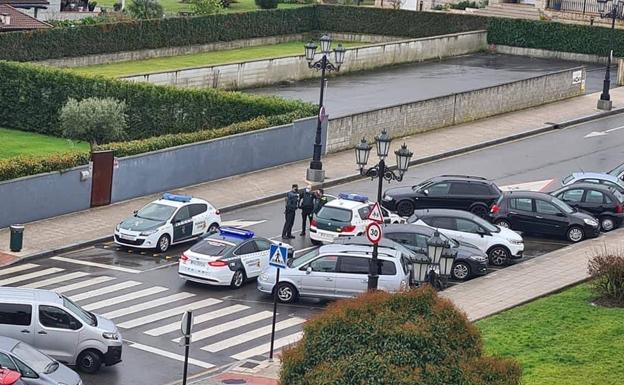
(546, 54)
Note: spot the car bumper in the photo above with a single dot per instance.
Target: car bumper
(591, 232)
(136, 240)
(478, 268)
(390, 205)
(327, 236)
(112, 355)
(265, 287)
(217, 278)
(516, 251)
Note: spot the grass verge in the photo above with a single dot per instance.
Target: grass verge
(171, 63)
(172, 7)
(15, 143)
(561, 339)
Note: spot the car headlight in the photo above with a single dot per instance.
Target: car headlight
(590, 222)
(515, 241)
(118, 227)
(148, 233)
(387, 198)
(264, 277)
(478, 258)
(110, 336)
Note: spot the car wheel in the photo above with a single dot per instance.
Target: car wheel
(213, 228)
(479, 210)
(89, 361)
(163, 243)
(461, 271)
(405, 208)
(607, 224)
(575, 234)
(286, 293)
(502, 223)
(498, 255)
(238, 279)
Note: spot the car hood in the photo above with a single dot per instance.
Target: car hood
(140, 224)
(63, 375)
(510, 234)
(582, 215)
(400, 191)
(106, 324)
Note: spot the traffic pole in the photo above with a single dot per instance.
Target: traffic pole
(277, 277)
(187, 348)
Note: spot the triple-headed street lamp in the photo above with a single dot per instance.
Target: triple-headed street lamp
(604, 103)
(380, 171)
(316, 173)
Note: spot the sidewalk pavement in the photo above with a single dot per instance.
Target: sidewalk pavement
(65, 232)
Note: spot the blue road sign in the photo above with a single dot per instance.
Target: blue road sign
(278, 256)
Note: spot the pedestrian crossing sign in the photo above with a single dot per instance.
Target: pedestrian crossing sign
(278, 256)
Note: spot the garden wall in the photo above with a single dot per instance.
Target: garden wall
(260, 73)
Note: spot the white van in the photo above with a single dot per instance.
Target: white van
(58, 327)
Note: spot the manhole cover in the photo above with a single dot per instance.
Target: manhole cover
(234, 381)
(249, 365)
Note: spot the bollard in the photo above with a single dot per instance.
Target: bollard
(17, 237)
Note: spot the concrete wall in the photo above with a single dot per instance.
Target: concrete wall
(546, 54)
(260, 73)
(407, 119)
(43, 196)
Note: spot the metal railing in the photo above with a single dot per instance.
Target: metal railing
(581, 6)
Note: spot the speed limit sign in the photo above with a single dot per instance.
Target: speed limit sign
(373, 232)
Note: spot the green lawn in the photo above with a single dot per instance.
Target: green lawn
(197, 60)
(561, 340)
(27, 143)
(175, 6)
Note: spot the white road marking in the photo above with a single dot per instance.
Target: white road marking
(602, 133)
(197, 320)
(240, 223)
(263, 349)
(245, 337)
(528, 186)
(167, 313)
(213, 331)
(124, 298)
(16, 269)
(95, 264)
(52, 281)
(26, 277)
(104, 290)
(147, 305)
(83, 284)
(173, 356)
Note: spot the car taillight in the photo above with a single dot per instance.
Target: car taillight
(217, 263)
(183, 258)
(619, 209)
(494, 209)
(313, 222)
(348, 228)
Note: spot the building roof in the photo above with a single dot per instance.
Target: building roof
(26, 3)
(19, 21)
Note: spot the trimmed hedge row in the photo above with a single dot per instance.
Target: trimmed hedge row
(31, 98)
(19, 166)
(148, 34)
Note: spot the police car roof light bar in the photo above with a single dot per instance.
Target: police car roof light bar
(176, 197)
(353, 197)
(237, 233)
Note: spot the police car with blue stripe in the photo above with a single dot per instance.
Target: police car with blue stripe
(230, 256)
(167, 221)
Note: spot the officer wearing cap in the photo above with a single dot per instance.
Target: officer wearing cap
(292, 202)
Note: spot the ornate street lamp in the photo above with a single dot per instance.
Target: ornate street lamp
(604, 103)
(435, 249)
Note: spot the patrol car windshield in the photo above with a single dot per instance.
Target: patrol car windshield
(156, 212)
(211, 247)
(335, 214)
(302, 260)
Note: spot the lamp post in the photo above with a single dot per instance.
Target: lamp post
(315, 172)
(381, 172)
(435, 249)
(604, 103)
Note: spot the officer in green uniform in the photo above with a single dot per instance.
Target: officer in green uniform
(292, 201)
(307, 207)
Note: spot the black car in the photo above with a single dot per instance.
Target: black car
(469, 260)
(540, 213)
(472, 193)
(602, 202)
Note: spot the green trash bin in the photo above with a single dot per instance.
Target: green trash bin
(17, 237)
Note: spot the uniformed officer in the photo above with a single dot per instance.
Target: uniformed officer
(292, 201)
(307, 207)
(320, 200)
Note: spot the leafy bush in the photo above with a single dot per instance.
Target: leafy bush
(19, 166)
(267, 4)
(411, 338)
(205, 7)
(145, 9)
(93, 120)
(607, 273)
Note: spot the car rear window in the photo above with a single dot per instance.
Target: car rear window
(211, 247)
(15, 314)
(335, 214)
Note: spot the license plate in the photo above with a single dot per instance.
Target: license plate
(128, 237)
(325, 236)
(197, 263)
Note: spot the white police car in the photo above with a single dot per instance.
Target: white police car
(228, 257)
(346, 216)
(169, 220)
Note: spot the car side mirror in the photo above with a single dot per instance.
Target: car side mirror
(308, 269)
(426, 192)
(135, 212)
(482, 232)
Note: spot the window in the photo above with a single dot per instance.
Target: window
(575, 195)
(84, 315)
(182, 214)
(608, 199)
(53, 317)
(25, 370)
(466, 188)
(198, 208)
(303, 259)
(325, 264)
(524, 204)
(543, 207)
(38, 361)
(364, 212)
(439, 189)
(15, 314)
(334, 214)
(443, 223)
(212, 247)
(354, 265)
(594, 196)
(402, 238)
(247, 248)
(6, 362)
(263, 245)
(467, 226)
(388, 268)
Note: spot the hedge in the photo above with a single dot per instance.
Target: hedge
(31, 97)
(19, 166)
(409, 338)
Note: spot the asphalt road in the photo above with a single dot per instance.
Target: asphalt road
(406, 83)
(236, 322)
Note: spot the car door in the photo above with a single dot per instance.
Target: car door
(573, 197)
(198, 212)
(353, 276)
(57, 333)
(549, 219)
(473, 233)
(434, 196)
(249, 255)
(406, 239)
(264, 249)
(461, 195)
(594, 202)
(320, 280)
(521, 215)
(182, 224)
(16, 321)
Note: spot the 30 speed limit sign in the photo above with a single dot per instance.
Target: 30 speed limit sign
(373, 232)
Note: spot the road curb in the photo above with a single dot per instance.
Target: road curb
(353, 177)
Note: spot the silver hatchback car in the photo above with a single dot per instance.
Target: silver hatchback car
(35, 367)
(336, 271)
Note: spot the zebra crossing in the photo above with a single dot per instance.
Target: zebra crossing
(148, 316)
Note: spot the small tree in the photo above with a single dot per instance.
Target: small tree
(145, 9)
(206, 7)
(607, 273)
(93, 120)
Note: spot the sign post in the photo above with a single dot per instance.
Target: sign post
(186, 327)
(277, 258)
